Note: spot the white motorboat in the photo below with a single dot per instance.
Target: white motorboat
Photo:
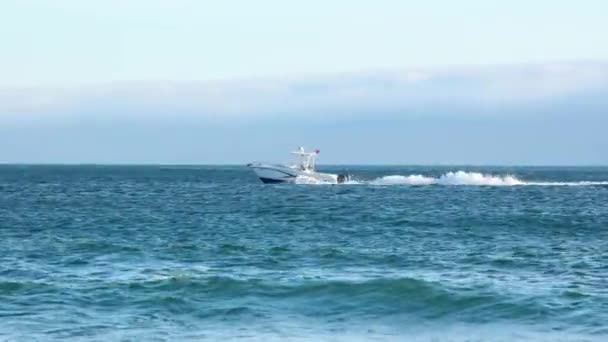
(304, 171)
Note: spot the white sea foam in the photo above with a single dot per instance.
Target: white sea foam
(310, 180)
(468, 178)
(408, 180)
(451, 178)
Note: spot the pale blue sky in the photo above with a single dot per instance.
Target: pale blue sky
(74, 41)
(192, 81)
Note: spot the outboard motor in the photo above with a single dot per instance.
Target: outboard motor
(343, 178)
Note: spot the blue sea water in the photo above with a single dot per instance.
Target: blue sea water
(184, 253)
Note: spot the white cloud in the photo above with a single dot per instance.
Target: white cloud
(320, 95)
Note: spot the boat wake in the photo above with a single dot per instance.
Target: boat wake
(453, 178)
(301, 179)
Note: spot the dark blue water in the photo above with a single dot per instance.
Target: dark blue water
(209, 253)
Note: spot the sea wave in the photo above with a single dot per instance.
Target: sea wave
(393, 296)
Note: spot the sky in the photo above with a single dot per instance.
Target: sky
(399, 82)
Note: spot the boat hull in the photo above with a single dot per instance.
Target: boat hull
(274, 174)
(272, 181)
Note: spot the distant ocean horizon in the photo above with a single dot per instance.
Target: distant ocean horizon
(168, 252)
(481, 167)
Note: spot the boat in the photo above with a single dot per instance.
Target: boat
(303, 171)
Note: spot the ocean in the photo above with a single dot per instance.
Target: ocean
(189, 253)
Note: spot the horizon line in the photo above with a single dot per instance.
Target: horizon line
(244, 165)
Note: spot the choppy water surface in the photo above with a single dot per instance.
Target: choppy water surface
(209, 253)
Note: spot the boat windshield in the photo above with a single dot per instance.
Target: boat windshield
(306, 159)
